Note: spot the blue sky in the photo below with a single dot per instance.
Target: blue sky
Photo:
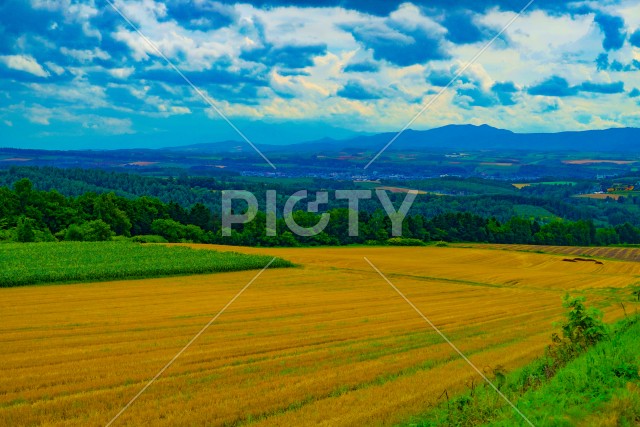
(73, 74)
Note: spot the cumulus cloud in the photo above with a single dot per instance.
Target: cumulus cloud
(613, 29)
(55, 68)
(553, 86)
(606, 88)
(440, 78)
(24, 63)
(462, 28)
(85, 55)
(362, 67)
(505, 91)
(405, 38)
(358, 91)
(341, 60)
(285, 56)
(107, 125)
(475, 96)
(560, 87)
(201, 14)
(634, 39)
(39, 115)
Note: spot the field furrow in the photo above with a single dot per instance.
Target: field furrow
(327, 343)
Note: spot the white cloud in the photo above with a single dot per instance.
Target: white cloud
(39, 115)
(55, 68)
(539, 45)
(106, 125)
(85, 55)
(78, 93)
(121, 73)
(180, 110)
(24, 63)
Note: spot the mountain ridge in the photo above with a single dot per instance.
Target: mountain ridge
(455, 137)
(449, 137)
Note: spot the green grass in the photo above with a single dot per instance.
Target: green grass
(590, 387)
(600, 387)
(40, 263)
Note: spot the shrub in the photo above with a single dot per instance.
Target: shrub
(175, 232)
(44, 236)
(74, 234)
(96, 231)
(401, 241)
(149, 238)
(584, 326)
(582, 329)
(7, 235)
(92, 231)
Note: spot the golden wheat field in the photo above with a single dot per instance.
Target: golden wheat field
(614, 253)
(326, 343)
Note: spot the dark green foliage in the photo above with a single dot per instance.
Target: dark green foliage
(24, 230)
(74, 234)
(584, 326)
(399, 241)
(173, 231)
(49, 212)
(151, 238)
(96, 231)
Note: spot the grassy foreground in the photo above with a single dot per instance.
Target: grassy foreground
(599, 388)
(28, 264)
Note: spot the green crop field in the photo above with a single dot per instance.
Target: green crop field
(27, 264)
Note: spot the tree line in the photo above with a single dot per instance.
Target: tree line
(30, 215)
(486, 198)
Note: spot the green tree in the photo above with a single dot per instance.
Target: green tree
(25, 230)
(97, 231)
(23, 189)
(200, 216)
(74, 233)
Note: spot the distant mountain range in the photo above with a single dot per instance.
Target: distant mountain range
(452, 137)
(496, 153)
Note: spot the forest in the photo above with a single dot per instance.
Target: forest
(29, 214)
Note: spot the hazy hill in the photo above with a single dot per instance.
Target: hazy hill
(453, 137)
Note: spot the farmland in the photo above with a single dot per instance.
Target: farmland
(27, 264)
(328, 343)
(617, 253)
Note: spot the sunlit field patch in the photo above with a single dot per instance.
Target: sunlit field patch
(329, 343)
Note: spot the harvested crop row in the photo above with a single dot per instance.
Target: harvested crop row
(300, 346)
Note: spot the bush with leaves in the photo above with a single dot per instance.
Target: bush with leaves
(583, 329)
(405, 241)
(96, 231)
(92, 231)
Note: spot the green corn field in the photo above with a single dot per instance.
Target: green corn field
(41, 263)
